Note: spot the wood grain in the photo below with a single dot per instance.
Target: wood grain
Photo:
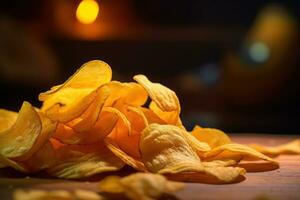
(277, 184)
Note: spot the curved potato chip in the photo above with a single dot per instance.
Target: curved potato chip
(22, 135)
(140, 186)
(41, 159)
(34, 159)
(292, 147)
(136, 118)
(130, 143)
(126, 93)
(213, 137)
(69, 100)
(219, 163)
(165, 98)
(17, 166)
(104, 125)
(96, 72)
(232, 150)
(55, 195)
(225, 174)
(169, 117)
(79, 161)
(90, 116)
(132, 162)
(123, 135)
(165, 149)
(48, 128)
(152, 117)
(7, 119)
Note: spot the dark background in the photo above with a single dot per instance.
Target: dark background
(234, 64)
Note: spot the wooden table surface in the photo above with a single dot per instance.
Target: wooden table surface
(277, 184)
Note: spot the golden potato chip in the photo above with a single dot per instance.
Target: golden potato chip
(17, 166)
(79, 161)
(132, 162)
(89, 75)
(24, 162)
(165, 149)
(87, 120)
(234, 150)
(164, 98)
(41, 159)
(169, 117)
(55, 195)
(140, 186)
(69, 100)
(129, 143)
(137, 118)
(7, 119)
(292, 147)
(213, 137)
(219, 163)
(123, 135)
(104, 125)
(68, 104)
(22, 135)
(48, 128)
(126, 93)
(151, 116)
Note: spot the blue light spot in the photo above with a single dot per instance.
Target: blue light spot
(259, 52)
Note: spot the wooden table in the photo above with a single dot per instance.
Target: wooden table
(282, 183)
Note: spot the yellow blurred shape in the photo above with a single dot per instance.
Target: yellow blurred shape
(87, 11)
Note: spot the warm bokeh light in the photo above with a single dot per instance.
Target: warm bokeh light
(87, 11)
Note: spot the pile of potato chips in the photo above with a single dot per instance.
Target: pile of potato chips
(91, 124)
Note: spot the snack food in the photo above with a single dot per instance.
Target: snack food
(90, 125)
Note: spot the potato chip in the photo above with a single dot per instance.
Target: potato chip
(17, 166)
(79, 161)
(123, 136)
(126, 93)
(169, 117)
(41, 159)
(164, 98)
(87, 120)
(213, 137)
(219, 163)
(233, 150)
(69, 100)
(165, 103)
(132, 162)
(7, 119)
(140, 186)
(48, 128)
(22, 135)
(151, 116)
(55, 195)
(129, 143)
(292, 147)
(211, 175)
(165, 150)
(137, 118)
(104, 125)
(89, 75)
(21, 163)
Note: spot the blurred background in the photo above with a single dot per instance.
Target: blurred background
(235, 65)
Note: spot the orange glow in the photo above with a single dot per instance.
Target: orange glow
(87, 11)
